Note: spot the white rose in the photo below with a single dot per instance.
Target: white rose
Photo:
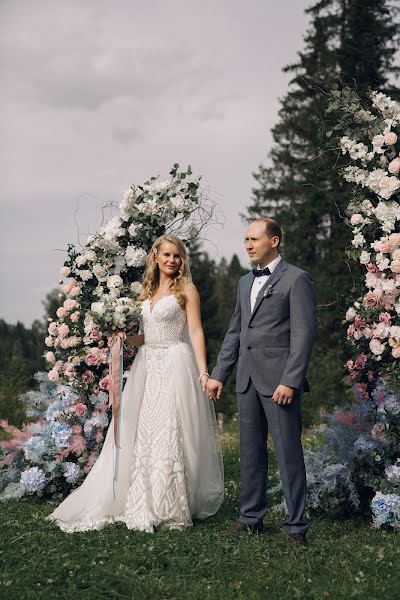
(100, 272)
(394, 166)
(65, 271)
(390, 138)
(80, 260)
(365, 257)
(98, 308)
(350, 314)
(132, 230)
(114, 282)
(86, 275)
(136, 287)
(135, 257)
(358, 240)
(376, 347)
(357, 219)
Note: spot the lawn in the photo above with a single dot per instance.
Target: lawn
(344, 559)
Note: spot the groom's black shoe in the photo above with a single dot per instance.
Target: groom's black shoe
(298, 539)
(239, 527)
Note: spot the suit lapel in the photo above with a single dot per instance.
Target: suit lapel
(247, 291)
(271, 281)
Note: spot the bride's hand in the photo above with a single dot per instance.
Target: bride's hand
(203, 380)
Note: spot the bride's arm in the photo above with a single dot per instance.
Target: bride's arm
(196, 332)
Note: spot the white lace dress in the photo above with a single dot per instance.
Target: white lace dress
(168, 467)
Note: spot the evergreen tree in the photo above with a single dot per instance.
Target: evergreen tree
(354, 41)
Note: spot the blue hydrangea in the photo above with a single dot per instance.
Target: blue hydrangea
(364, 444)
(386, 510)
(61, 434)
(70, 471)
(33, 479)
(13, 491)
(34, 448)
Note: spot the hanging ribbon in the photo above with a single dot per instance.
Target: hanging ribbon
(115, 383)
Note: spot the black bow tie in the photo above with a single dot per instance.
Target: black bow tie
(261, 272)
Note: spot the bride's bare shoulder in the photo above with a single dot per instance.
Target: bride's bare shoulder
(190, 291)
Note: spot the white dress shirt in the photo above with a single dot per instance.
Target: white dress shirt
(259, 282)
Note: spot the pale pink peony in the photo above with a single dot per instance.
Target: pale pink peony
(386, 247)
(63, 330)
(65, 271)
(75, 291)
(53, 375)
(88, 377)
(61, 312)
(49, 356)
(66, 288)
(52, 328)
(75, 316)
(394, 166)
(390, 138)
(395, 266)
(395, 239)
(69, 304)
(80, 409)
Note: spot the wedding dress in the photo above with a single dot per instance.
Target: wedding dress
(168, 465)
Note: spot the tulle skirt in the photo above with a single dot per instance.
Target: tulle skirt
(162, 383)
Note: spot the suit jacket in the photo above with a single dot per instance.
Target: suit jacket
(273, 343)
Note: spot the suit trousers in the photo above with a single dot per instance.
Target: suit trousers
(259, 414)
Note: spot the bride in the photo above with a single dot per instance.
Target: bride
(167, 467)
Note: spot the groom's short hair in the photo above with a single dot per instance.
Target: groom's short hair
(272, 228)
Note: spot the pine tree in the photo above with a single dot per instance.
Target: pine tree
(354, 41)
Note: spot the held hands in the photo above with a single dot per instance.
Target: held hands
(214, 389)
(283, 394)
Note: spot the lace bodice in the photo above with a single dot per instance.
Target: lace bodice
(164, 324)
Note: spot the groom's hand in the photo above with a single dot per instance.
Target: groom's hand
(214, 386)
(283, 394)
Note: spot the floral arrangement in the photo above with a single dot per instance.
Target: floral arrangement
(101, 284)
(357, 467)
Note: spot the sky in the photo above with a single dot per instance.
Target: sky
(99, 95)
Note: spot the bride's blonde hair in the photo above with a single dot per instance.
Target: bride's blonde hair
(152, 273)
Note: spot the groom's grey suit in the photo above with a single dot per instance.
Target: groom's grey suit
(272, 345)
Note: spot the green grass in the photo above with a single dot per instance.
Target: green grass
(343, 559)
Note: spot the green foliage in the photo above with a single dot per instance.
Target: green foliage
(344, 559)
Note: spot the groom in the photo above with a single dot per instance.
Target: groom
(271, 335)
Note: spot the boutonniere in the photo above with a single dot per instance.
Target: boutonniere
(269, 292)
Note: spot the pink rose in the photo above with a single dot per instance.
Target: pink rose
(61, 312)
(80, 409)
(52, 375)
(69, 304)
(396, 351)
(91, 359)
(386, 247)
(73, 341)
(63, 330)
(65, 271)
(49, 341)
(385, 318)
(99, 436)
(64, 343)
(395, 266)
(360, 361)
(88, 377)
(95, 335)
(101, 343)
(66, 288)
(371, 299)
(372, 268)
(103, 383)
(49, 356)
(350, 331)
(75, 291)
(52, 328)
(350, 365)
(75, 316)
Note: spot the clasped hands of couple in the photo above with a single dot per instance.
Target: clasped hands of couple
(282, 395)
